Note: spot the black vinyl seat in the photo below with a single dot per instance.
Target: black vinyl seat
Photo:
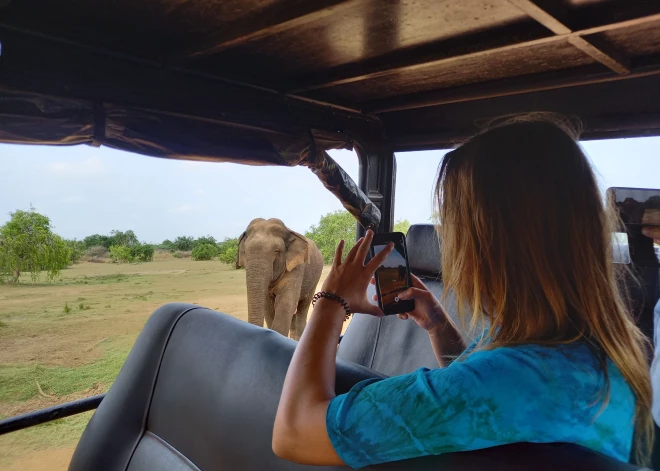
(199, 391)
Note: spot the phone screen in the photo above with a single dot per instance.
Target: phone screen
(637, 206)
(392, 278)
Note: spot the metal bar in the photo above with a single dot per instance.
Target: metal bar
(614, 61)
(42, 416)
(504, 87)
(381, 70)
(266, 24)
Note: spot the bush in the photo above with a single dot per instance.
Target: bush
(121, 254)
(204, 252)
(143, 252)
(183, 243)
(168, 245)
(181, 254)
(207, 240)
(228, 251)
(97, 251)
(77, 249)
(28, 244)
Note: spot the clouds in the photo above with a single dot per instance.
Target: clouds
(94, 190)
(89, 167)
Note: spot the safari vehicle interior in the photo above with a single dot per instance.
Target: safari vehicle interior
(280, 82)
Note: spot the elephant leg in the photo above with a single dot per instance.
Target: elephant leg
(299, 321)
(270, 312)
(285, 308)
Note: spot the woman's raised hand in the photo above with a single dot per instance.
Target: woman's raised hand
(429, 313)
(349, 279)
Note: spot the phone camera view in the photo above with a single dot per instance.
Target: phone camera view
(392, 276)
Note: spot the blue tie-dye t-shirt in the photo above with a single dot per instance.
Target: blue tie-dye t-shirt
(526, 393)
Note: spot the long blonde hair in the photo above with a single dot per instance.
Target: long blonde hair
(526, 243)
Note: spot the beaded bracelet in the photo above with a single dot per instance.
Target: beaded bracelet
(334, 297)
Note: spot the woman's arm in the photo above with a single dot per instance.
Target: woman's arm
(300, 432)
(429, 314)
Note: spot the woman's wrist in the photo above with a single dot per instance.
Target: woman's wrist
(330, 307)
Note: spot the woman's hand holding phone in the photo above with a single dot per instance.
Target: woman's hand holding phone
(349, 279)
(429, 313)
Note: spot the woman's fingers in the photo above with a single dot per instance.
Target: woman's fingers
(373, 280)
(403, 316)
(413, 293)
(338, 252)
(417, 283)
(373, 310)
(353, 251)
(364, 248)
(380, 257)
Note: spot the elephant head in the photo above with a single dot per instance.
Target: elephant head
(268, 250)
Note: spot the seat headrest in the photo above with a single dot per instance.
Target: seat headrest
(424, 250)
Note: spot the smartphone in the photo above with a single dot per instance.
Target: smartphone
(636, 206)
(393, 275)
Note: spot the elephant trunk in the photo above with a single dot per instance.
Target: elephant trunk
(258, 276)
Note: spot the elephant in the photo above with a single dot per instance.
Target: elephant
(282, 269)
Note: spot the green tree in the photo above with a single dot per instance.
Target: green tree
(402, 226)
(96, 240)
(167, 244)
(183, 243)
(77, 248)
(228, 250)
(121, 254)
(333, 227)
(142, 252)
(330, 230)
(28, 244)
(206, 240)
(204, 252)
(127, 239)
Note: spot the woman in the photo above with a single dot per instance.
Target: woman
(526, 245)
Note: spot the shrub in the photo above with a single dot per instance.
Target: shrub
(168, 245)
(28, 244)
(181, 254)
(206, 240)
(97, 251)
(121, 254)
(77, 249)
(183, 243)
(143, 252)
(204, 252)
(228, 250)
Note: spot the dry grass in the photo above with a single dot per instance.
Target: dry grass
(78, 353)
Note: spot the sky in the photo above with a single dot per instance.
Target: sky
(87, 190)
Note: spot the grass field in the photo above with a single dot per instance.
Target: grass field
(65, 340)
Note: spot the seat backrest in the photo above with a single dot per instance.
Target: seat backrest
(200, 389)
(390, 345)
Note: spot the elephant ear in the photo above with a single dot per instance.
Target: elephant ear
(240, 257)
(297, 251)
